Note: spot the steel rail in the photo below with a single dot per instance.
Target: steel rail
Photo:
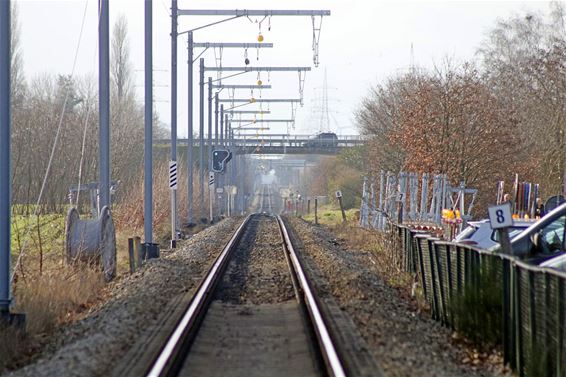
(325, 341)
(269, 204)
(163, 361)
(166, 361)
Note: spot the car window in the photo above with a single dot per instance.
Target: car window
(552, 236)
(513, 232)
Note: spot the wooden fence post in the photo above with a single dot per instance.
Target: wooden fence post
(316, 211)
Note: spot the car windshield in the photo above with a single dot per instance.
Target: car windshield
(466, 233)
(552, 236)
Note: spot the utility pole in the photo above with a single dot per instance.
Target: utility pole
(174, 118)
(6, 318)
(190, 136)
(5, 175)
(221, 124)
(148, 125)
(201, 137)
(104, 103)
(209, 146)
(216, 120)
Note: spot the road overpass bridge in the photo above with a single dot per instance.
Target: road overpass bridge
(283, 144)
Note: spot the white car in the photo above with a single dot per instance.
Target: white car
(480, 234)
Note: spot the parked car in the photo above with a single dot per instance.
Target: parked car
(544, 242)
(480, 234)
(323, 140)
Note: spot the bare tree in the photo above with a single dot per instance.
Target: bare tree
(121, 65)
(127, 115)
(525, 60)
(17, 77)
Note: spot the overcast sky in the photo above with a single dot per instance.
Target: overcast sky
(362, 43)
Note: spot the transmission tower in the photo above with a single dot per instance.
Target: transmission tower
(321, 108)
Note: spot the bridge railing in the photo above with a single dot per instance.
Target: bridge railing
(491, 297)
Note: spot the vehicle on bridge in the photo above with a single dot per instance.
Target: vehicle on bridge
(323, 140)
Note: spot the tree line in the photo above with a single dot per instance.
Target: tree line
(481, 121)
(51, 108)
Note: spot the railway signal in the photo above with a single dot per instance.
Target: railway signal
(220, 158)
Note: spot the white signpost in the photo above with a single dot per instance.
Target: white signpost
(500, 218)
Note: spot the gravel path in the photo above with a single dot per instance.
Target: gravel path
(91, 346)
(404, 342)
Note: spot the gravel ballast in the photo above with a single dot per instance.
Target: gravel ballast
(404, 341)
(94, 344)
(254, 325)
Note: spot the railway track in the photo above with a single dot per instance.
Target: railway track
(254, 313)
(265, 200)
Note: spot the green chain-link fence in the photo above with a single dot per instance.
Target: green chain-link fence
(490, 297)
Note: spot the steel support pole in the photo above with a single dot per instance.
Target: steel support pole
(222, 125)
(148, 122)
(190, 132)
(209, 148)
(104, 103)
(5, 176)
(226, 133)
(218, 143)
(242, 183)
(174, 117)
(209, 143)
(216, 119)
(201, 137)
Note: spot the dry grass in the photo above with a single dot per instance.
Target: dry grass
(385, 248)
(380, 245)
(61, 293)
(128, 215)
(52, 293)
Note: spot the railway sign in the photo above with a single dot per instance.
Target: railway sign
(338, 194)
(500, 216)
(219, 190)
(220, 158)
(173, 175)
(210, 178)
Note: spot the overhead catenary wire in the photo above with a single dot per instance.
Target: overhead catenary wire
(55, 143)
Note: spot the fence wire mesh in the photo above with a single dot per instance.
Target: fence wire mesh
(490, 297)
